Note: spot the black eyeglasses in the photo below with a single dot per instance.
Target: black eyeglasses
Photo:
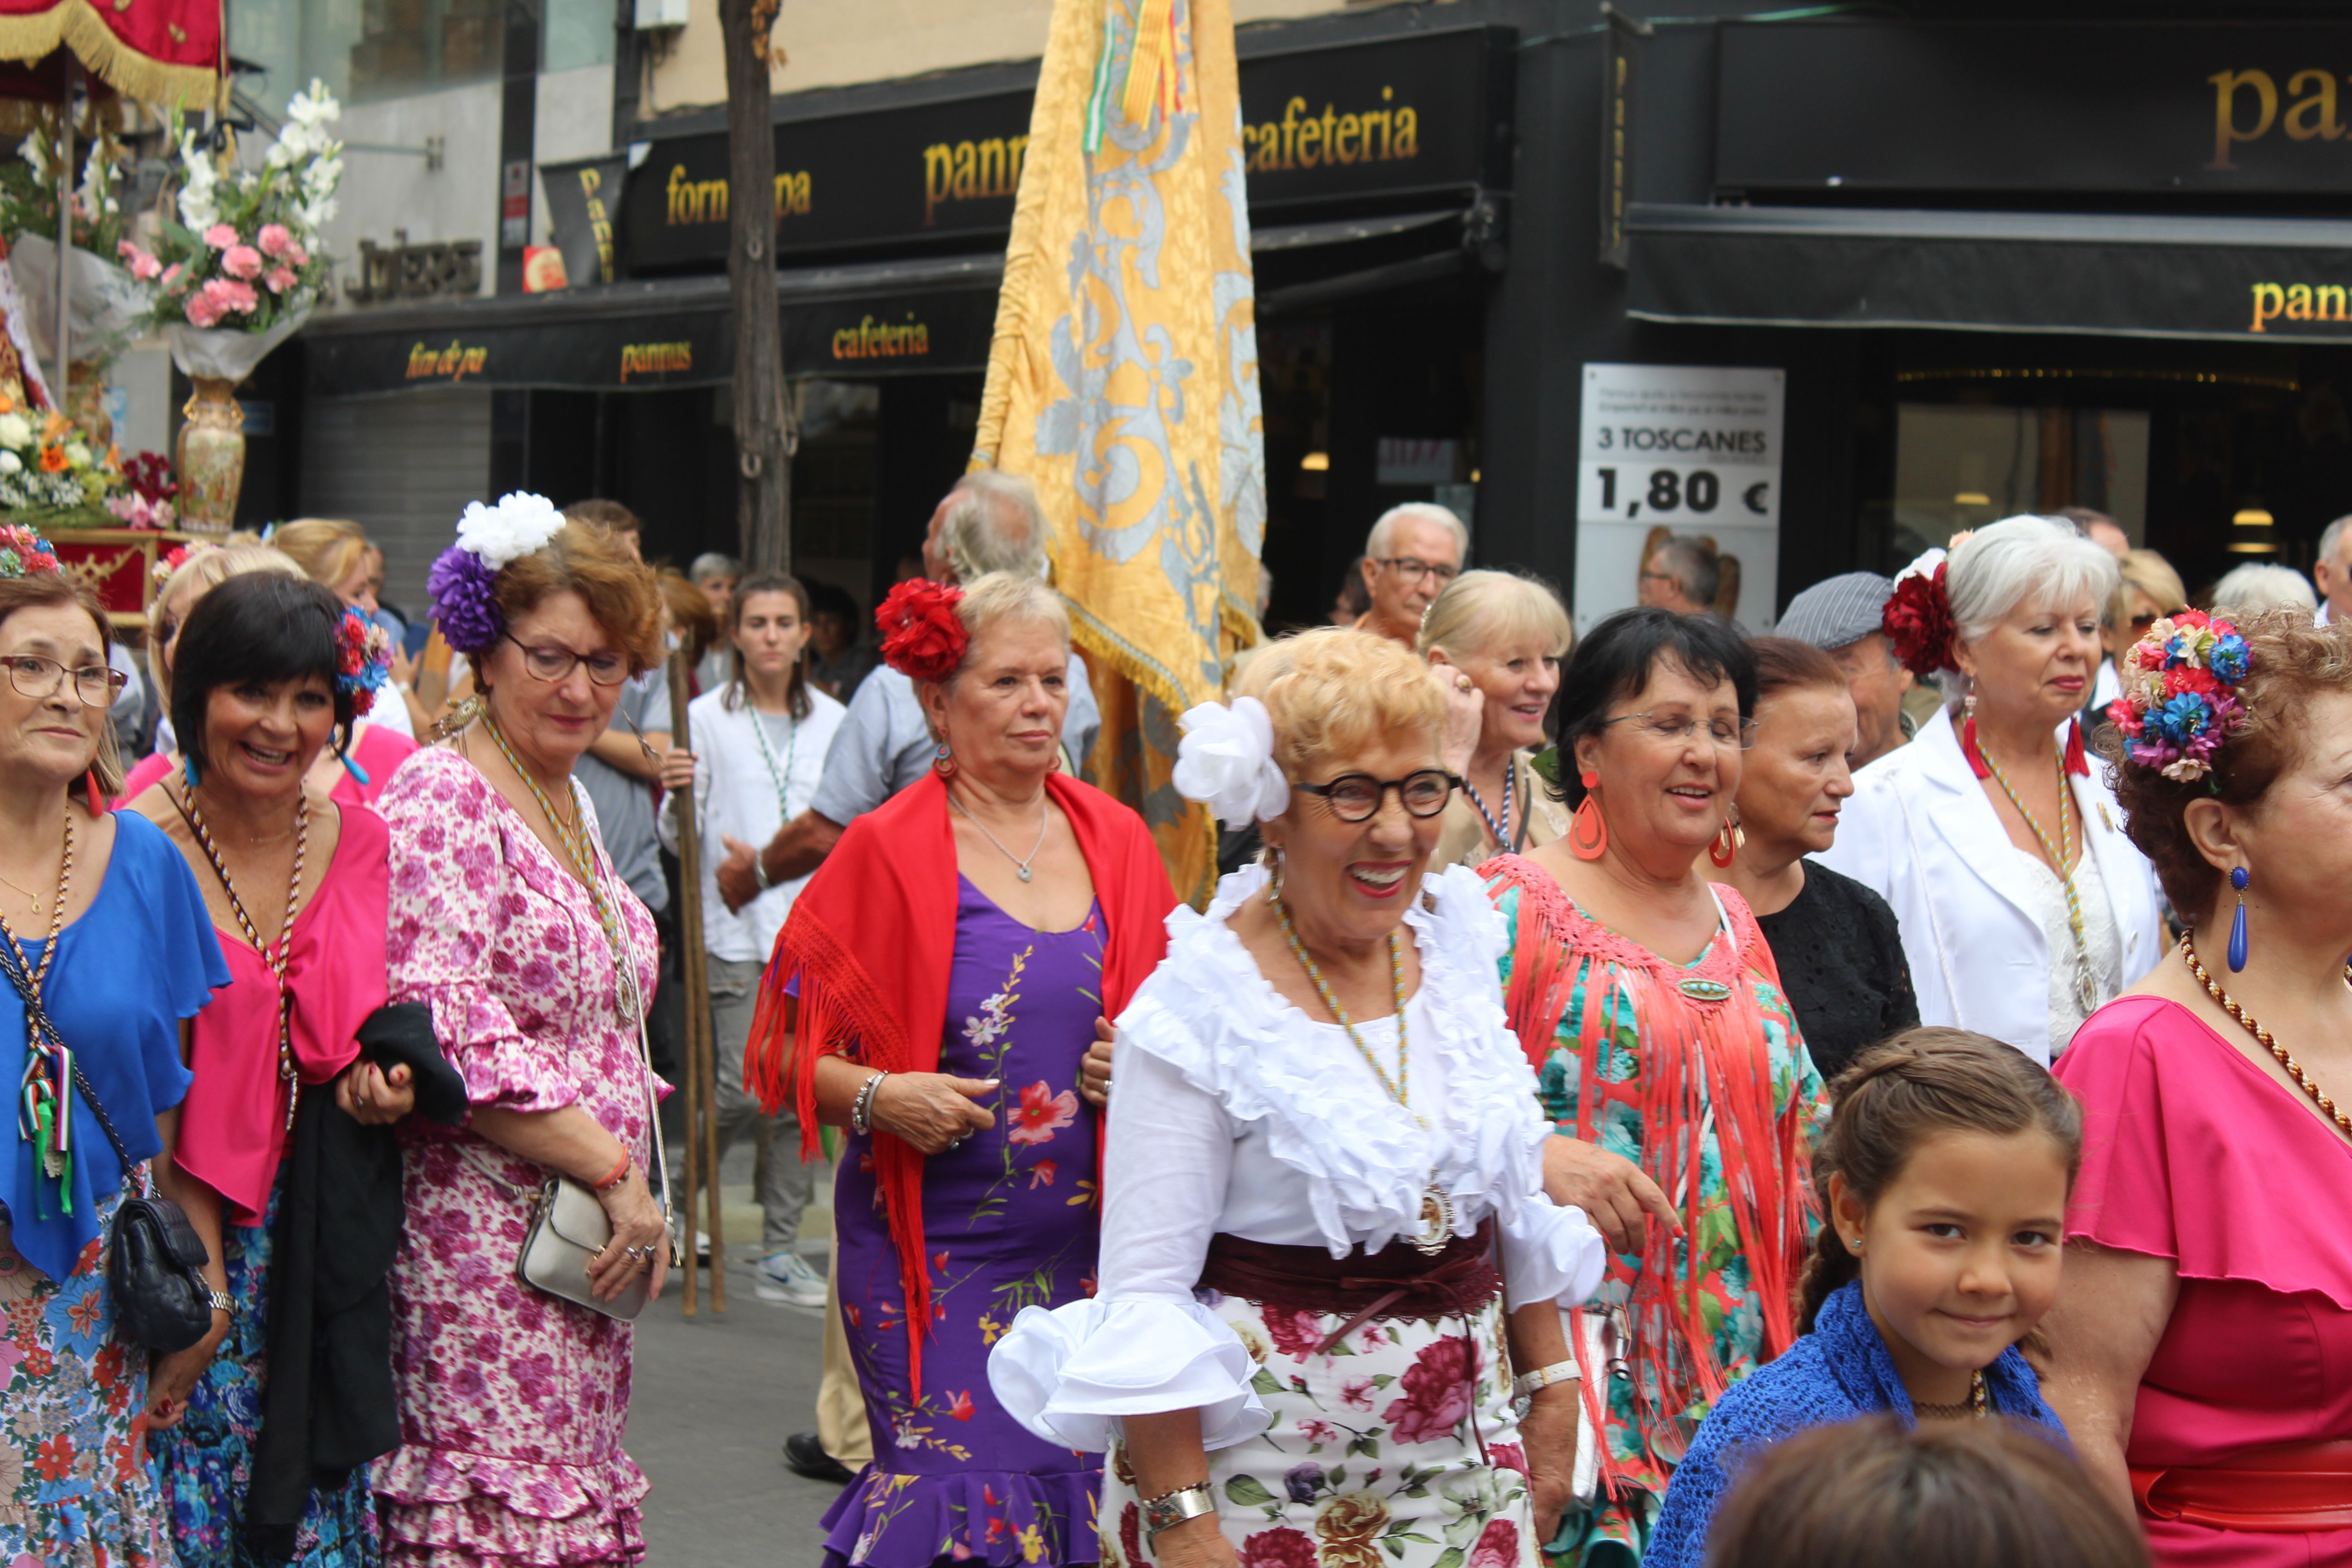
(1412, 569)
(552, 661)
(96, 684)
(1356, 797)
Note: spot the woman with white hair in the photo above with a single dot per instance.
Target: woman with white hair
(1505, 635)
(2245, 591)
(2023, 906)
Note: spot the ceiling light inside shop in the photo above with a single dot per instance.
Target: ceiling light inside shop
(1973, 498)
(1315, 462)
(2251, 517)
(2253, 534)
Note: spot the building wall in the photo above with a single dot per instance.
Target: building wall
(402, 467)
(575, 120)
(386, 191)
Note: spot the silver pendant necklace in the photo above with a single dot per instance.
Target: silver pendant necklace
(1045, 820)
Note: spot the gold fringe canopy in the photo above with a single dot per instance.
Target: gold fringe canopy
(1122, 380)
(77, 25)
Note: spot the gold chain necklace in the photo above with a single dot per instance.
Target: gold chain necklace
(278, 956)
(2086, 989)
(1977, 1402)
(1437, 1203)
(2327, 1106)
(573, 836)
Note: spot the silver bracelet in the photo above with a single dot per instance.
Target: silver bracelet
(861, 1110)
(760, 870)
(1526, 1384)
(1170, 1509)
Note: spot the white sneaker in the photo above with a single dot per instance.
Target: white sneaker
(786, 1277)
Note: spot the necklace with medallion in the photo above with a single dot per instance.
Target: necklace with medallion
(2061, 855)
(44, 1096)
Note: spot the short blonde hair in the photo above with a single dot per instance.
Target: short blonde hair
(1331, 692)
(1010, 597)
(1480, 612)
(200, 573)
(326, 548)
(2150, 573)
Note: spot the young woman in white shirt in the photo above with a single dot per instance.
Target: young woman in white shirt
(759, 750)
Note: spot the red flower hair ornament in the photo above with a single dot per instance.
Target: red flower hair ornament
(1918, 616)
(922, 640)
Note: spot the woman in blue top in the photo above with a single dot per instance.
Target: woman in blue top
(1946, 1170)
(100, 917)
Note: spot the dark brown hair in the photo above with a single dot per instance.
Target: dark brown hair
(43, 591)
(1784, 664)
(1874, 1494)
(2289, 661)
(583, 559)
(608, 515)
(796, 701)
(1902, 1092)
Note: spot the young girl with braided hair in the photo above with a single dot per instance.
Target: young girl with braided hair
(1944, 1177)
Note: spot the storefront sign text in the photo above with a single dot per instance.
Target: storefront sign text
(871, 339)
(454, 363)
(968, 170)
(692, 201)
(655, 359)
(1302, 139)
(2296, 302)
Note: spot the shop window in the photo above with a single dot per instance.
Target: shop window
(575, 33)
(370, 50)
(1964, 465)
(833, 479)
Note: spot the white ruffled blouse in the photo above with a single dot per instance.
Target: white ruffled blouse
(1232, 1111)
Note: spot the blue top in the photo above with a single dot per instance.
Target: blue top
(140, 959)
(1838, 1372)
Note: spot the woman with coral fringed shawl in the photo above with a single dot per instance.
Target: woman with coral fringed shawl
(1648, 1004)
(945, 972)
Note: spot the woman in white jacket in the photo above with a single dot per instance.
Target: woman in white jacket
(759, 750)
(1993, 834)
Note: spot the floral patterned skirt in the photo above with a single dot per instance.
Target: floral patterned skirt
(1374, 1458)
(76, 1487)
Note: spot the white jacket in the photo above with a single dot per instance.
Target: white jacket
(1921, 832)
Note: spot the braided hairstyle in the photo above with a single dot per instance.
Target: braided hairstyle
(1904, 1091)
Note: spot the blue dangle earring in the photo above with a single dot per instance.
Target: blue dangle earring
(188, 767)
(2237, 925)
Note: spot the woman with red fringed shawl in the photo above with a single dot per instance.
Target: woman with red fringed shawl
(1651, 1009)
(944, 974)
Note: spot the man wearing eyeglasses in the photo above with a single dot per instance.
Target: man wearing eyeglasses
(1414, 550)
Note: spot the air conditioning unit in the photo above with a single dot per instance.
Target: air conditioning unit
(653, 14)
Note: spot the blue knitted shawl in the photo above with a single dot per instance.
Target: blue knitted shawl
(1839, 1372)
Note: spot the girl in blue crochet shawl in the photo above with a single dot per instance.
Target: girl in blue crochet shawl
(1946, 1172)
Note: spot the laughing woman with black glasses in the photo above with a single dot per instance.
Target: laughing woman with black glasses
(105, 926)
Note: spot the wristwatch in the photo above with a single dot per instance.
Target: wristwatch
(1526, 1384)
(1171, 1509)
(220, 1302)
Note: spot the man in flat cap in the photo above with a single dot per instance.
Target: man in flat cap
(1841, 616)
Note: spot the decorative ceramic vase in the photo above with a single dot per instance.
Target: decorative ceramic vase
(86, 405)
(210, 457)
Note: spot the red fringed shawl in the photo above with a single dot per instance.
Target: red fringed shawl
(871, 939)
(1702, 1048)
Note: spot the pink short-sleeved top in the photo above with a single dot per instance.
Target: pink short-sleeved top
(2192, 1153)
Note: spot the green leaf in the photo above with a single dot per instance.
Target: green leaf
(1545, 763)
(1450, 1558)
(1246, 1491)
(1402, 1534)
(1338, 1478)
(1339, 1348)
(1395, 1547)
(1710, 1311)
(1416, 1491)
(1381, 1379)
(1368, 1446)
(1263, 1382)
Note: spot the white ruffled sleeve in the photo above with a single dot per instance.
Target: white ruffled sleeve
(1143, 1344)
(1550, 1255)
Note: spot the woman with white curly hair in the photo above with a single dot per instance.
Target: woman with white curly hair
(1326, 1245)
(2023, 906)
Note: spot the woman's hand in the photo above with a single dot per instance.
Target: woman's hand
(373, 1097)
(1611, 1189)
(171, 1378)
(1465, 713)
(1094, 1073)
(678, 769)
(1197, 1542)
(1548, 1434)
(932, 1110)
(640, 1241)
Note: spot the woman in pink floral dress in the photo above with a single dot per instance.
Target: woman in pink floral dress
(507, 920)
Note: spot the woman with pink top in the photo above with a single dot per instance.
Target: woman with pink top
(2197, 1349)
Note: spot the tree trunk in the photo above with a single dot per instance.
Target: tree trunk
(764, 436)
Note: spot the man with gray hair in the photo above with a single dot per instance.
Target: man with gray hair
(2333, 572)
(1841, 615)
(1412, 551)
(1682, 575)
(717, 575)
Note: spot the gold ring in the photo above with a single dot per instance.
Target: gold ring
(1462, 683)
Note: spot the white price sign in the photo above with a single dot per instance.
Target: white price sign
(1693, 448)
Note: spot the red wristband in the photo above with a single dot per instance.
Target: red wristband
(620, 1173)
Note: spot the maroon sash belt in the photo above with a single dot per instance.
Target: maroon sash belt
(2283, 1488)
(1398, 1281)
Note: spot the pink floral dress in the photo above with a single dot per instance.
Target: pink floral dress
(512, 1401)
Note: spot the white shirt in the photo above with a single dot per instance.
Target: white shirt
(736, 795)
(1921, 833)
(1232, 1111)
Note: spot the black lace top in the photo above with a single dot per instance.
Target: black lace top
(1841, 965)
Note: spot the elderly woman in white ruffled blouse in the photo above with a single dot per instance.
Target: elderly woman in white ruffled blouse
(1326, 1330)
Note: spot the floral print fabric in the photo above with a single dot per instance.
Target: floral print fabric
(1009, 1221)
(75, 1488)
(511, 1402)
(1729, 1308)
(1374, 1460)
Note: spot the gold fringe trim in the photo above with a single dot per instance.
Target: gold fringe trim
(77, 25)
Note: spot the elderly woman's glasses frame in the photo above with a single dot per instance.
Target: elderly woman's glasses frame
(1358, 797)
(552, 662)
(1669, 728)
(96, 684)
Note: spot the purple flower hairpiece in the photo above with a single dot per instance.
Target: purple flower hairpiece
(463, 605)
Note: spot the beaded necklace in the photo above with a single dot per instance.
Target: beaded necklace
(1977, 1402)
(44, 1098)
(776, 775)
(2327, 1106)
(1502, 830)
(2061, 857)
(278, 956)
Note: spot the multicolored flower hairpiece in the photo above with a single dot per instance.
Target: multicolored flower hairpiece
(462, 583)
(179, 555)
(24, 553)
(363, 658)
(2180, 703)
(922, 636)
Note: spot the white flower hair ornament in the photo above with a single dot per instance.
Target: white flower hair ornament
(518, 524)
(463, 584)
(1227, 761)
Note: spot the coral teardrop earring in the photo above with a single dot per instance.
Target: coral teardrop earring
(1588, 833)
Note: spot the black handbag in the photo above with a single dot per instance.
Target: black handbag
(155, 1259)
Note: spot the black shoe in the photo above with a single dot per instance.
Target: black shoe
(805, 1456)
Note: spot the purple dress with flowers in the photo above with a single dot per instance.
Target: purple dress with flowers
(1010, 1220)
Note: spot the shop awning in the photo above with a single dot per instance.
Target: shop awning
(2259, 279)
(882, 319)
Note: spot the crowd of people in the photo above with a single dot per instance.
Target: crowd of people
(1662, 1095)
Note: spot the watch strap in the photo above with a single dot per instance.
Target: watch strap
(220, 1302)
(1526, 1384)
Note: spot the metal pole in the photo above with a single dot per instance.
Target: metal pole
(64, 369)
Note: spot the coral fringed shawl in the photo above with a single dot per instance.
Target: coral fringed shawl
(1702, 1045)
(871, 940)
